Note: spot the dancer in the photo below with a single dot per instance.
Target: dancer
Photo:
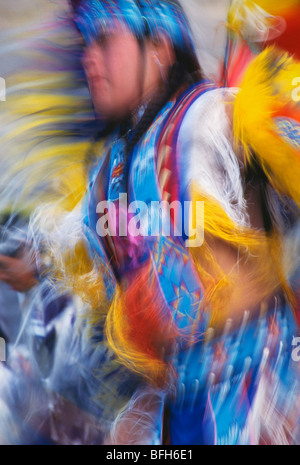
(173, 140)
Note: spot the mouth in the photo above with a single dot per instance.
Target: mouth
(95, 79)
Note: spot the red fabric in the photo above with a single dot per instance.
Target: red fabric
(289, 40)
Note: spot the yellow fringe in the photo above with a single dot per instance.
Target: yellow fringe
(43, 161)
(116, 329)
(259, 253)
(78, 273)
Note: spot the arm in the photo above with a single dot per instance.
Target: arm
(19, 272)
(236, 248)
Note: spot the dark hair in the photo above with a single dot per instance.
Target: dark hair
(185, 71)
(179, 78)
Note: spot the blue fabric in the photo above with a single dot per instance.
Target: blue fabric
(218, 382)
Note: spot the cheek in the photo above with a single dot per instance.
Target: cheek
(127, 75)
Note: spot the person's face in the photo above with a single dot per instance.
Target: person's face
(114, 69)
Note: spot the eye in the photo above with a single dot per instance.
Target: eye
(105, 37)
(102, 39)
(84, 56)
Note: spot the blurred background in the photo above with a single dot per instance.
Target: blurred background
(24, 20)
(207, 18)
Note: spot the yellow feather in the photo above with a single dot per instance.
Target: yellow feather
(265, 94)
(260, 254)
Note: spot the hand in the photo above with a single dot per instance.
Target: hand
(18, 272)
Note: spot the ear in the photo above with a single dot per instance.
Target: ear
(164, 49)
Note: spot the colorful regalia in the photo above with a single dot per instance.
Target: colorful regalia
(219, 380)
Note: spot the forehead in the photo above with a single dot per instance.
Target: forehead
(116, 41)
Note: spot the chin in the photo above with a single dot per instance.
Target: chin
(111, 114)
